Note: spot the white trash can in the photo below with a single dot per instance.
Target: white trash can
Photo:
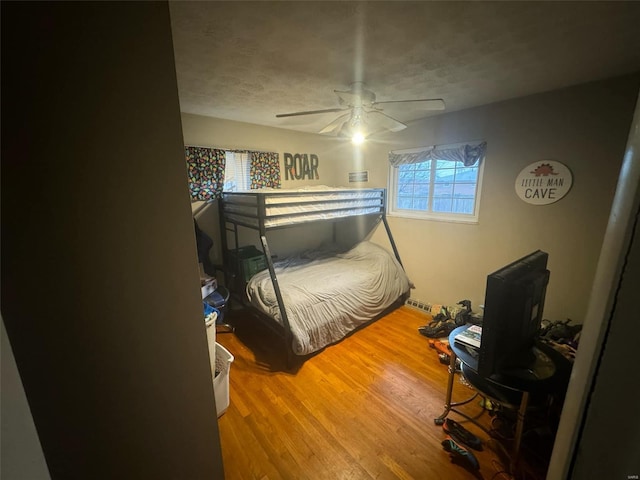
(223, 360)
(210, 322)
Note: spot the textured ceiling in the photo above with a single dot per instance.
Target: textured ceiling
(248, 61)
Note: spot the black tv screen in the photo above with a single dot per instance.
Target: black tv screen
(513, 307)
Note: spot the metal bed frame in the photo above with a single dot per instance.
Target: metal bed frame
(252, 210)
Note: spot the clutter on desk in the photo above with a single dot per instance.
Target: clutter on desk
(562, 336)
(472, 336)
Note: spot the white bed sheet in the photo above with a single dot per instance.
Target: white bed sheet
(327, 297)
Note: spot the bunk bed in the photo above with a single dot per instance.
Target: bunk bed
(318, 297)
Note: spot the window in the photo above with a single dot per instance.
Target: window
(423, 184)
(236, 172)
(213, 170)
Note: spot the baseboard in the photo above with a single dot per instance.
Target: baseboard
(418, 304)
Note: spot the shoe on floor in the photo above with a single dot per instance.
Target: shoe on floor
(437, 329)
(461, 434)
(460, 455)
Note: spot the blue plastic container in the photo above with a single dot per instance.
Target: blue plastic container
(218, 299)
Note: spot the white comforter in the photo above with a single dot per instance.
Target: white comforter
(326, 297)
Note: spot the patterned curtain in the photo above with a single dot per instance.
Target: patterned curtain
(467, 154)
(205, 168)
(264, 170)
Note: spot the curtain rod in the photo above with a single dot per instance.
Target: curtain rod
(435, 147)
(202, 146)
(234, 150)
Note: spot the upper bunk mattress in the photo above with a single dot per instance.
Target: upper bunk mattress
(327, 297)
(278, 207)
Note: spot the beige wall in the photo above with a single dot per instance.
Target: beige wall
(213, 132)
(584, 127)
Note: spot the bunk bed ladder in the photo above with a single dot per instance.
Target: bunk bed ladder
(393, 243)
(262, 230)
(288, 337)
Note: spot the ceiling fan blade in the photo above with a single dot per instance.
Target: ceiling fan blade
(310, 112)
(385, 121)
(336, 124)
(428, 103)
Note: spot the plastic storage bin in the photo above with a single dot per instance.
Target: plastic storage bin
(224, 359)
(251, 261)
(218, 300)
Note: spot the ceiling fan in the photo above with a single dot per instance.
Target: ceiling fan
(364, 115)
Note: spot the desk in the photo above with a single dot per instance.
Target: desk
(547, 374)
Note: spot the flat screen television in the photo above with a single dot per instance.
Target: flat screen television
(514, 301)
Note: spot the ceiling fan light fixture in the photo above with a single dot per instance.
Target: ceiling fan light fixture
(357, 126)
(364, 115)
(357, 138)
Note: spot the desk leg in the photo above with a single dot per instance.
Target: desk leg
(519, 429)
(447, 405)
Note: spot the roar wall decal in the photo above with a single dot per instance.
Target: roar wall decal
(301, 166)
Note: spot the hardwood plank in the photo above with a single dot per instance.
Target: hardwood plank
(361, 409)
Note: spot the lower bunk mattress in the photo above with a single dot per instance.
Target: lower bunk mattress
(327, 295)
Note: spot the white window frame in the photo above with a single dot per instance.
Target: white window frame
(240, 169)
(392, 189)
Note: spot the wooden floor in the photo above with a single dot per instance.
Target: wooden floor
(360, 409)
